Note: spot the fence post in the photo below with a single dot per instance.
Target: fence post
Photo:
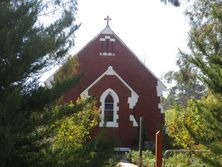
(158, 149)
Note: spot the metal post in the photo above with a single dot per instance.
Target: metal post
(158, 149)
(140, 142)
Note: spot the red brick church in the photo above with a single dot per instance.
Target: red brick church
(123, 86)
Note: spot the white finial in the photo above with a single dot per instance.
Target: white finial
(107, 20)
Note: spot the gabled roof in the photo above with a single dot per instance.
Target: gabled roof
(107, 30)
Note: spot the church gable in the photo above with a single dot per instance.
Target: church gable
(107, 48)
(125, 89)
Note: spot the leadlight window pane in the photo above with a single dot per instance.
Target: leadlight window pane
(108, 116)
(108, 110)
(109, 106)
(109, 99)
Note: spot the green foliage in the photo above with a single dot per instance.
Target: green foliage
(114, 160)
(180, 121)
(184, 160)
(199, 122)
(147, 157)
(210, 113)
(13, 128)
(183, 85)
(21, 114)
(73, 130)
(27, 45)
(177, 121)
(70, 133)
(62, 137)
(205, 42)
(99, 152)
(38, 98)
(175, 126)
(205, 56)
(198, 126)
(68, 70)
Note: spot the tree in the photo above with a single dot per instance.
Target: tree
(63, 137)
(194, 127)
(205, 55)
(183, 84)
(179, 118)
(27, 45)
(173, 2)
(206, 51)
(205, 42)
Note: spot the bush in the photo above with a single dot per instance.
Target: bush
(64, 137)
(148, 158)
(184, 160)
(114, 160)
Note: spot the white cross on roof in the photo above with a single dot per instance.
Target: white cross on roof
(107, 20)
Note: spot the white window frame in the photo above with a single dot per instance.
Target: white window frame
(115, 97)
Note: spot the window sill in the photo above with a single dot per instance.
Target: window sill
(107, 54)
(109, 124)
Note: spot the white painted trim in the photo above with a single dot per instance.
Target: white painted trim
(160, 88)
(160, 106)
(107, 37)
(132, 100)
(123, 149)
(102, 39)
(115, 108)
(132, 118)
(107, 54)
(49, 82)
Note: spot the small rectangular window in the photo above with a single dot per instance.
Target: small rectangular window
(112, 45)
(107, 45)
(102, 46)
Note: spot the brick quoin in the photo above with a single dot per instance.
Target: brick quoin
(92, 65)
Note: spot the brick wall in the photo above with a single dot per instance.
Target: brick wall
(92, 65)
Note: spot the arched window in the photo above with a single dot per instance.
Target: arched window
(108, 109)
(109, 106)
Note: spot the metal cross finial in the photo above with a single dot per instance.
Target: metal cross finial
(107, 20)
